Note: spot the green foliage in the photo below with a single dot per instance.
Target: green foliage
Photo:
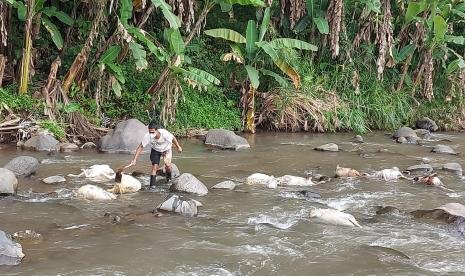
(56, 129)
(206, 110)
(17, 103)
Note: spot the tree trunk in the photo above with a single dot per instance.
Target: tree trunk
(2, 67)
(81, 59)
(52, 76)
(26, 60)
(250, 117)
(198, 25)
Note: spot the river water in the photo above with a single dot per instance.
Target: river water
(249, 231)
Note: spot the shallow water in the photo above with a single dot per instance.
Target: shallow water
(249, 231)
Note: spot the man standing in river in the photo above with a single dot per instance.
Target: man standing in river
(161, 142)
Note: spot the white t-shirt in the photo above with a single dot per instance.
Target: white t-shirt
(161, 144)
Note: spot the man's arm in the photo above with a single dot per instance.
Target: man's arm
(176, 143)
(136, 155)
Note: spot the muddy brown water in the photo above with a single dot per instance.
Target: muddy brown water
(249, 231)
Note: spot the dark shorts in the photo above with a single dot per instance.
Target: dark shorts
(155, 157)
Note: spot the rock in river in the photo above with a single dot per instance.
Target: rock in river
(421, 168)
(68, 147)
(446, 213)
(11, 253)
(23, 166)
(328, 147)
(225, 139)
(88, 146)
(54, 179)
(179, 204)
(125, 138)
(427, 123)
(357, 139)
(453, 167)
(42, 142)
(406, 135)
(226, 185)
(8, 182)
(188, 183)
(443, 149)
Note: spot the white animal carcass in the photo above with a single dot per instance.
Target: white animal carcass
(128, 184)
(290, 180)
(93, 192)
(262, 179)
(334, 217)
(97, 173)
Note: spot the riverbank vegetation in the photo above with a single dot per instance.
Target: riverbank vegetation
(79, 67)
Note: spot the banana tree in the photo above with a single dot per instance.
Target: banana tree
(252, 51)
(27, 11)
(439, 23)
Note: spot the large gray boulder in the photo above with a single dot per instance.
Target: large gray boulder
(179, 204)
(42, 142)
(328, 147)
(8, 182)
(125, 138)
(23, 166)
(405, 132)
(453, 167)
(426, 123)
(188, 183)
(443, 149)
(11, 253)
(225, 139)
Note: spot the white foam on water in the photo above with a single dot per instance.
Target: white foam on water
(76, 226)
(274, 222)
(456, 195)
(199, 271)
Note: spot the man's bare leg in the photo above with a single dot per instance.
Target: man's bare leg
(153, 175)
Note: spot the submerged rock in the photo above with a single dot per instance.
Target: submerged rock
(381, 210)
(453, 167)
(11, 253)
(328, 147)
(405, 132)
(68, 147)
(443, 149)
(54, 179)
(89, 146)
(308, 194)
(174, 171)
(427, 123)
(179, 204)
(423, 133)
(225, 139)
(188, 183)
(226, 185)
(445, 213)
(23, 166)
(125, 138)
(42, 142)
(8, 182)
(423, 168)
(357, 139)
